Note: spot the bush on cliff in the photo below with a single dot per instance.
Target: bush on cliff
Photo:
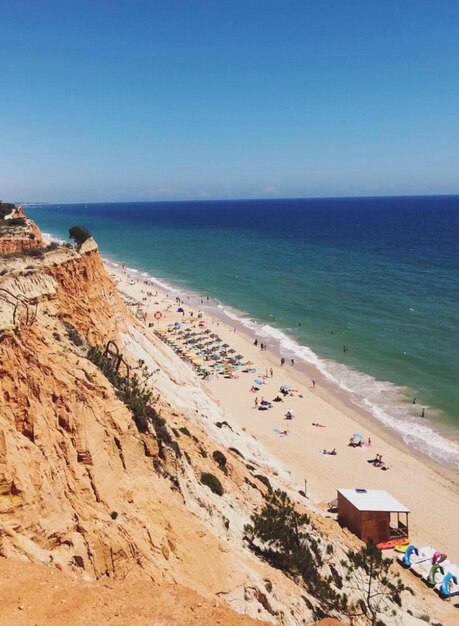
(73, 334)
(369, 576)
(133, 392)
(16, 221)
(211, 481)
(79, 234)
(281, 535)
(35, 252)
(5, 209)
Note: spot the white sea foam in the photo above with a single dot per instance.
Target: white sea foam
(51, 237)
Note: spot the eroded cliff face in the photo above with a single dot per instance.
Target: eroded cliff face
(80, 488)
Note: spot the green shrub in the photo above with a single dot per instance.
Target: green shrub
(220, 459)
(35, 252)
(53, 245)
(136, 397)
(287, 544)
(79, 234)
(17, 221)
(211, 481)
(5, 209)
(73, 334)
(264, 480)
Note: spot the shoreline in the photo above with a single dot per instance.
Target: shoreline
(418, 481)
(432, 440)
(428, 429)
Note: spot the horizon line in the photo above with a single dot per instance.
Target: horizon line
(200, 200)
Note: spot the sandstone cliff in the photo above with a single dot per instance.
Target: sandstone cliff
(82, 490)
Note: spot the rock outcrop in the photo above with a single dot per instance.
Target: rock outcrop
(17, 233)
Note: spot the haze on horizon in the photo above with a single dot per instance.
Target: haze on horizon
(166, 99)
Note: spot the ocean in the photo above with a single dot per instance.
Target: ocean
(365, 289)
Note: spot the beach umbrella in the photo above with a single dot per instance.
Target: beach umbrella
(177, 325)
(180, 310)
(285, 387)
(258, 381)
(225, 345)
(202, 323)
(239, 357)
(357, 436)
(231, 351)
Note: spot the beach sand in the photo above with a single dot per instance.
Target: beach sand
(429, 490)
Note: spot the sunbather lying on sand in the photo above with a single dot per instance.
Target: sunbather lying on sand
(378, 462)
(317, 425)
(330, 452)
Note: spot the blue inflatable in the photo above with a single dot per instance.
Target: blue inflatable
(445, 584)
(407, 555)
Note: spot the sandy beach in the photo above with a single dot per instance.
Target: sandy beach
(323, 419)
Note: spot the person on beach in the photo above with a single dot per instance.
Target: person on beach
(255, 343)
(272, 373)
(313, 384)
(292, 362)
(256, 402)
(282, 361)
(423, 413)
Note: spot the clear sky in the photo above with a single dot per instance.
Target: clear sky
(110, 100)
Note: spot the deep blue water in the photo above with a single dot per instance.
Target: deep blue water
(378, 275)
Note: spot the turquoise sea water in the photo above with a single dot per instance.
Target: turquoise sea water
(377, 275)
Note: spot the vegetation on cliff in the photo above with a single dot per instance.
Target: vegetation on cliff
(5, 209)
(79, 234)
(133, 391)
(288, 542)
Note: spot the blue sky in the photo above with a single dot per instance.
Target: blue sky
(111, 100)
